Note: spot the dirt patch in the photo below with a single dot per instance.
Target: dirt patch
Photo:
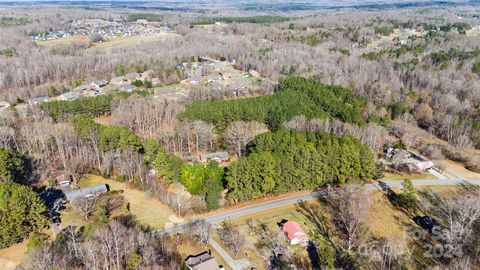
(13, 256)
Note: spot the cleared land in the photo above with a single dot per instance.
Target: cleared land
(11, 257)
(149, 211)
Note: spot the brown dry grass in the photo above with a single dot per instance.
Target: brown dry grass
(13, 256)
(148, 211)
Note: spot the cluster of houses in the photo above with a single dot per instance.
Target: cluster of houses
(104, 29)
(98, 87)
(205, 260)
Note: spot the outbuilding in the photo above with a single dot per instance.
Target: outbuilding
(294, 233)
(4, 105)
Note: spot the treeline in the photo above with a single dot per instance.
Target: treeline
(109, 138)
(384, 30)
(145, 16)
(285, 161)
(247, 19)
(297, 96)
(442, 58)
(21, 212)
(203, 181)
(118, 244)
(11, 21)
(395, 52)
(91, 106)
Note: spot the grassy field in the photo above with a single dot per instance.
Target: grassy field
(148, 211)
(383, 221)
(113, 43)
(60, 41)
(455, 169)
(397, 176)
(270, 218)
(120, 42)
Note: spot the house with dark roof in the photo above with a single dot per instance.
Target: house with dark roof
(86, 192)
(37, 101)
(202, 261)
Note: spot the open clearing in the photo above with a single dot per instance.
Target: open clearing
(457, 170)
(112, 43)
(60, 41)
(11, 257)
(120, 42)
(149, 211)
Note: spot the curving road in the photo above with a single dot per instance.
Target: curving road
(247, 210)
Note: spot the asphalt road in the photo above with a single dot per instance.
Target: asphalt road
(239, 212)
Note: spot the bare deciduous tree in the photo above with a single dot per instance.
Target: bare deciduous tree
(350, 210)
(231, 237)
(86, 206)
(239, 134)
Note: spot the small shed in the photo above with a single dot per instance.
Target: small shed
(217, 156)
(64, 179)
(4, 105)
(294, 233)
(86, 192)
(254, 73)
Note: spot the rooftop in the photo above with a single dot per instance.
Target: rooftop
(75, 194)
(293, 230)
(202, 261)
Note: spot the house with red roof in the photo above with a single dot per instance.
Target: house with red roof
(295, 233)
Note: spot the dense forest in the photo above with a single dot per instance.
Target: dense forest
(284, 161)
(297, 96)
